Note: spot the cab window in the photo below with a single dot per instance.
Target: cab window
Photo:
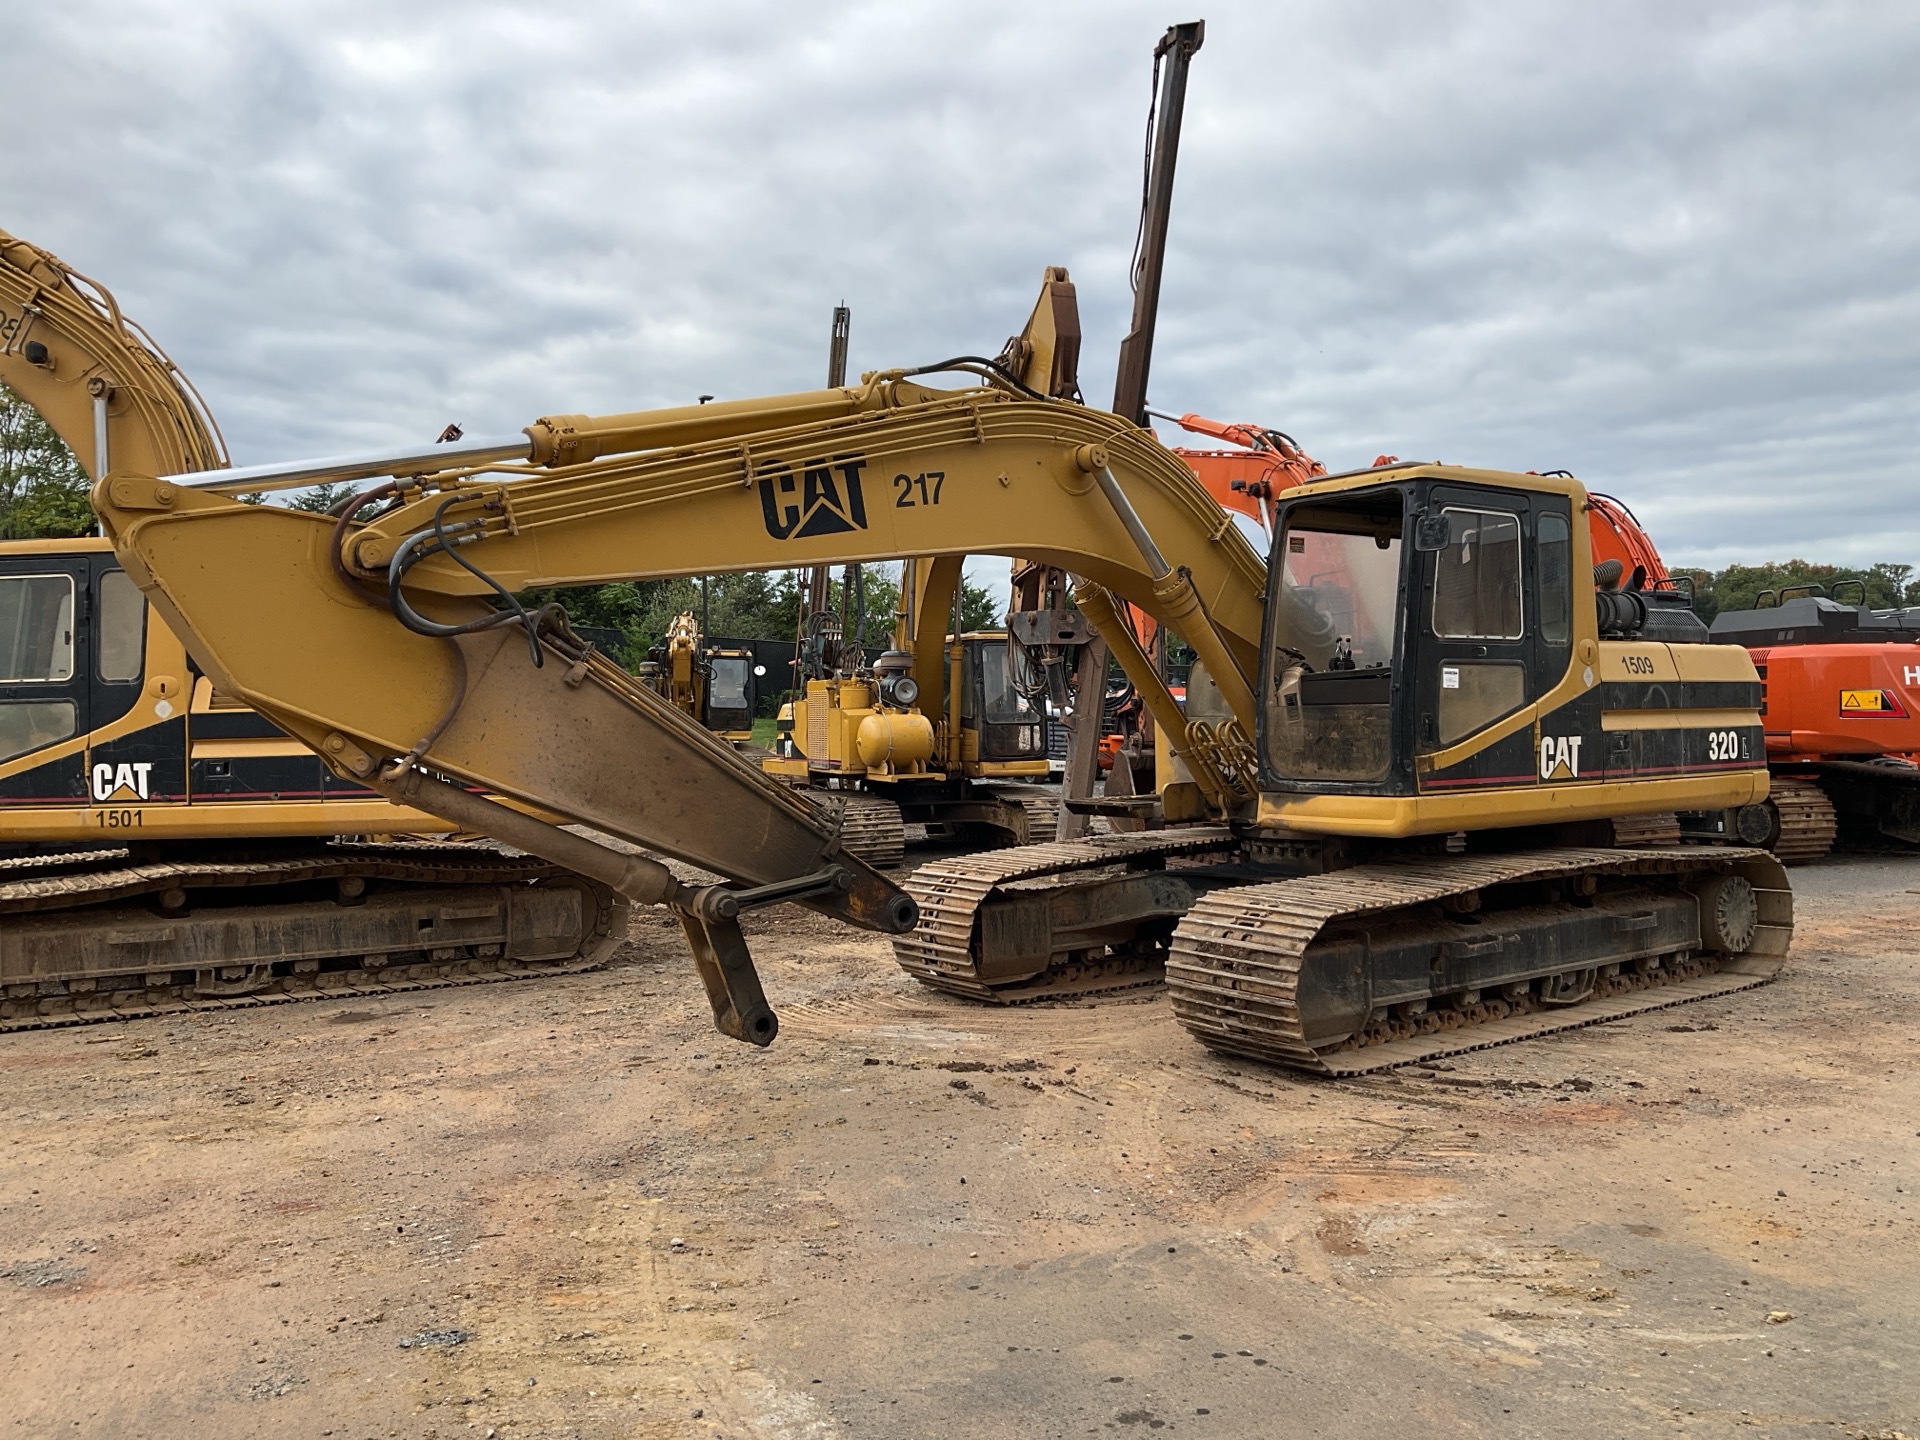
(1476, 589)
(728, 688)
(36, 628)
(123, 628)
(1331, 640)
(1555, 546)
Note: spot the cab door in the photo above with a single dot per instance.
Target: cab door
(45, 660)
(1497, 625)
(1479, 654)
(139, 751)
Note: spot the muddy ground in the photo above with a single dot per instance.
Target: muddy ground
(571, 1209)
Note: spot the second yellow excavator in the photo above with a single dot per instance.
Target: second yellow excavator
(962, 759)
(169, 848)
(712, 683)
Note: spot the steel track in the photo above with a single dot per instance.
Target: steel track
(872, 830)
(1808, 823)
(79, 888)
(1235, 964)
(939, 950)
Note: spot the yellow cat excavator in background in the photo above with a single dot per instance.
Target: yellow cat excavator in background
(1385, 834)
(171, 848)
(934, 730)
(713, 684)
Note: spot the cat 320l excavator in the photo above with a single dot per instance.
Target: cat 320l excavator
(1385, 836)
(170, 847)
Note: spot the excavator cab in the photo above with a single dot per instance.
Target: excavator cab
(1407, 620)
(730, 693)
(996, 717)
(1428, 647)
(109, 735)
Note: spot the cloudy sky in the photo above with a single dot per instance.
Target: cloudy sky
(1673, 248)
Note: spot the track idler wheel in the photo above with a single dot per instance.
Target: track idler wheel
(1757, 825)
(1729, 914)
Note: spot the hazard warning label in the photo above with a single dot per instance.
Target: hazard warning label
(1861, 703)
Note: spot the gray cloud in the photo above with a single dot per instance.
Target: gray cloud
(1671, 248)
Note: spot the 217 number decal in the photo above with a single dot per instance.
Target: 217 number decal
(909, 485)
(1723, 745)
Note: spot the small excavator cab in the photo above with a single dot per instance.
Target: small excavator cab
(1404, 620)
(1009, 724)
(730, 693)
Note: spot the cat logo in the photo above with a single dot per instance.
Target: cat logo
(1859, 704)
(1559, 757)
(812, 502)
(110, 780)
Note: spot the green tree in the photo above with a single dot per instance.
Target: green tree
(747, 605)
(977, 608)
(43, 489)
(322, 497)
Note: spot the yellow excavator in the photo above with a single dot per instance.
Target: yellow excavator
(713, 684)
(169, 847)
(964, 765)
(1383, 832)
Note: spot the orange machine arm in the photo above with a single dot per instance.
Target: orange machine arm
(1618, 536)
(1245, 481)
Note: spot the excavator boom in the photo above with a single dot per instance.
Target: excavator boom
(410, 662)
(876, 472)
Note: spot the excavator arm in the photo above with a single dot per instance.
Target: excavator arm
(388, 638)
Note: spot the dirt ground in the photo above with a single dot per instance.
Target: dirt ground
(569, 1208)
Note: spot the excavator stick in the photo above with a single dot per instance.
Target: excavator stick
(553, 728)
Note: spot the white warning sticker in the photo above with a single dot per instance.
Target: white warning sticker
(1449, 677)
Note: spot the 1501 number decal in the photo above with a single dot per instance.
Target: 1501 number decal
(1723, 745)
(926, 486)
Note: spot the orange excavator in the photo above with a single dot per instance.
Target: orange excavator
(1245, 479)
(1842, 706)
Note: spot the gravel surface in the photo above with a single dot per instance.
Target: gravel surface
(570, 1209)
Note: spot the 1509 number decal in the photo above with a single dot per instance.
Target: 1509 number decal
(927, 486)
(1724, 745)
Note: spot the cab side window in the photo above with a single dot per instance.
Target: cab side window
(123, 628)
(1555, 546)
(36, 648)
